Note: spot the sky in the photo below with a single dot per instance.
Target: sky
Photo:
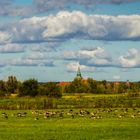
(49, 39)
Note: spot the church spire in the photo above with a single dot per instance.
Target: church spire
(78, 73)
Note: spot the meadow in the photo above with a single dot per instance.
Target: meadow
(75, 117)
(108, 127)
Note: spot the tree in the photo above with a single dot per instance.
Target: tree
(29, 87)
(123, 88)
(11, 84)
(2, 85)
(78, 85)
(52, 89)
(92, 85)
(2, 88)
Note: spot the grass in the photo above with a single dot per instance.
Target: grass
(71, 101)
(88, 95)
(108, 127)
(79, 128)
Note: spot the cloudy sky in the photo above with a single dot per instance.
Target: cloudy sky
(49, 39)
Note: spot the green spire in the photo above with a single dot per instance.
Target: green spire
(78, 73)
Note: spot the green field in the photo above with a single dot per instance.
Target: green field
(72, 117)
(109, 127)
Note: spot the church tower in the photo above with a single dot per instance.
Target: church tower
(79, 75)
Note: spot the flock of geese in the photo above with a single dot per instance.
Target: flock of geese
(93, 114)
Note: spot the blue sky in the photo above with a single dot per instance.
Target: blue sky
(48, 40)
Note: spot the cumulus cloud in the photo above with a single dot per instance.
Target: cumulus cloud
(27, 30)
(12, 48)
(98, 27)
(131, 59)
(94, 57)
(98, 57)
(67, 25)
(97, 52)
(72, 67)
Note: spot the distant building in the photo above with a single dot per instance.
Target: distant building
(78, 75)
(63, 83)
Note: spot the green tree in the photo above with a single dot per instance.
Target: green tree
(78, 85)
(52, 89)
(2, 88)
(92, 85)
(123, 88)
(69, 88)
(100, 88)
(11, 84)
(104, 83)
(2, 85)
(29, 88)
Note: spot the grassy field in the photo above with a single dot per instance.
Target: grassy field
(108, 127)
(75, 117)
(71, 101)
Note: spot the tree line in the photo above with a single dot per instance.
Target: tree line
(32, 87)
(80, 85)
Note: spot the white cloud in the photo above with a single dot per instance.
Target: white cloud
(27, 30)
(5, 37)
(80, 25)
(99, 62)
(35, 59)
(67, 25)
(30, 62)
(64, 23)
(73, 66)
(131, 59)
(44, 47)
(12, 48)
(93, 57)
(98, 57)
(70, 55)
(37, 56)
(95, 52)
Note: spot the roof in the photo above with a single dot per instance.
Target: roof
(64, 83)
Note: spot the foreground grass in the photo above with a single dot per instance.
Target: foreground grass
(79, 128)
